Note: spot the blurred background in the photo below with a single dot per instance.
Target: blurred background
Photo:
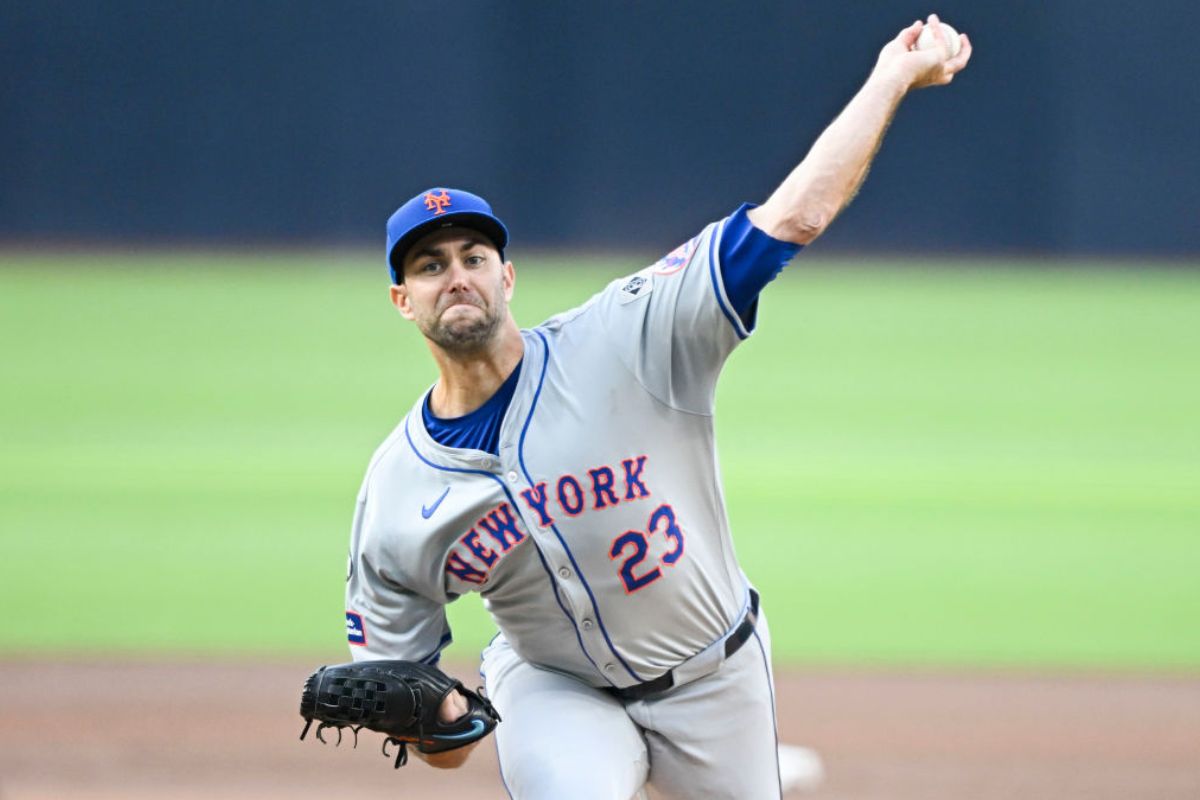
(611, 125)
(965, 439)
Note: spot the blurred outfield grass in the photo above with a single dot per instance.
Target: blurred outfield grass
(986, 466)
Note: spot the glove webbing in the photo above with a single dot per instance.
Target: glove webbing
(401, 745)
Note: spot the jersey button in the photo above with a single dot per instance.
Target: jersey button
(512, 477)
(564, 573)
(610, 668)
(588, 624)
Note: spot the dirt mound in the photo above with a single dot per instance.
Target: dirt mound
(142, 730)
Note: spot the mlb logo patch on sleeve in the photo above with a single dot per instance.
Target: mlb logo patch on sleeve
(638, 285)
(356, 631)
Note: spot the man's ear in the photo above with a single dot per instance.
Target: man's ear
(509, 276)
(399, 292)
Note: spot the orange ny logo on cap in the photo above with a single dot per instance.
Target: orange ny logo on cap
(437, 202)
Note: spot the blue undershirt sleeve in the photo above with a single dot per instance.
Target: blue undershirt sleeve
(750, 259)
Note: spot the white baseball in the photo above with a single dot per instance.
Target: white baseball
(926, 40)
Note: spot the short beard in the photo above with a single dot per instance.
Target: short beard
(465, 337)
(468, 337)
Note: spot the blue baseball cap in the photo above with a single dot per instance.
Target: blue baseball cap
(439, 208)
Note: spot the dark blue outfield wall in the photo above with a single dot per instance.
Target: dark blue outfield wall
(1075, 130)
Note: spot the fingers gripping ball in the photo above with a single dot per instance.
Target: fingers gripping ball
(397, 698)
(951, 44)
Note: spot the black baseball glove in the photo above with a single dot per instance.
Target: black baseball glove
(396, 698)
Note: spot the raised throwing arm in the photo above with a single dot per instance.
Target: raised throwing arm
(829, 176)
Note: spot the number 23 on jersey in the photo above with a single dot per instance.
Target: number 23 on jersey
(634, 546)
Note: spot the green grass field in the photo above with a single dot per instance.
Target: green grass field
(955, 466)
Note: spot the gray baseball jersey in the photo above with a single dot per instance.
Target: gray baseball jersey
(598, 538)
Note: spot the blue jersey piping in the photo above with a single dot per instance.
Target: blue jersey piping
(436, 655)
(532, 540)
(733, 318)
(774, 722)
(553, 527)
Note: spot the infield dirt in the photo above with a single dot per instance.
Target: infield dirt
(101, 731)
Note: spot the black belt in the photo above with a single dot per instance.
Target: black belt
(733, 643)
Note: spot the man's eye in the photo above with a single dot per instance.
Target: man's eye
(431, 266)
(475, 260)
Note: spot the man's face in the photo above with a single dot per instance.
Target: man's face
(455, 289)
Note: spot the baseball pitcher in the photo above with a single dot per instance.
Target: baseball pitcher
(568, 474)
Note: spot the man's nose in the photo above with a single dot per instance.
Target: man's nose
(458, 274)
